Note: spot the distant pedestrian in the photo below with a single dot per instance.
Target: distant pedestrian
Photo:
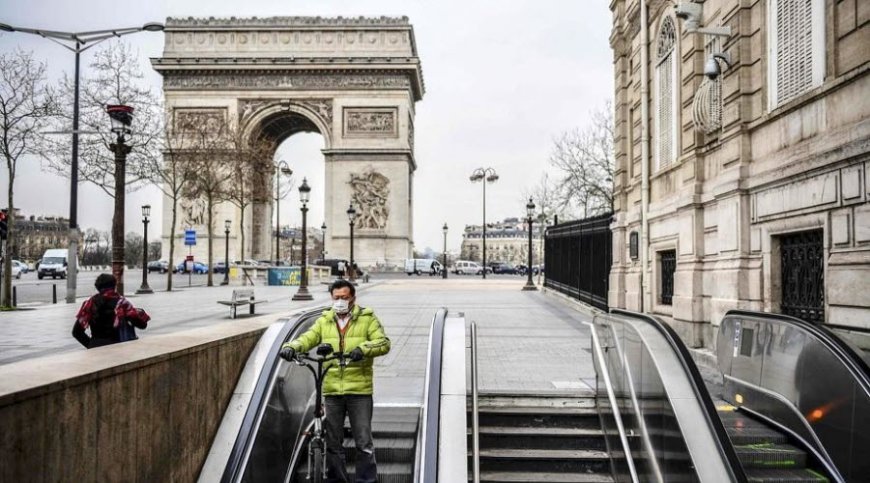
(110, 317)
(433, 268)
(341, 269)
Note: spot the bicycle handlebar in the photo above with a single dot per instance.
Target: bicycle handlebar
(343, 358)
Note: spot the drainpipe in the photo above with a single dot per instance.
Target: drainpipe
(644, 152)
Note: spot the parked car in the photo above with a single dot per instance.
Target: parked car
(219, 267)
(23, 266)
(161, 266)
(198, 267)
(54, 263)
(417, 266)
(16, 270)
(463, 267)
(503, 267)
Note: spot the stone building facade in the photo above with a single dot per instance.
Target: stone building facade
(749, 190)
(36, 234)
(506, 241)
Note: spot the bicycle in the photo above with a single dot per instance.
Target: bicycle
(317, 437)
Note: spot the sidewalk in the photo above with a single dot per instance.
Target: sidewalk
(47, 329)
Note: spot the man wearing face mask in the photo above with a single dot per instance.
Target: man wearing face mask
(355, 331)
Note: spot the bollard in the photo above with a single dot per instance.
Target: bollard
(15, 296)
(54, 293)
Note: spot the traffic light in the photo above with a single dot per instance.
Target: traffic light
(4, 229)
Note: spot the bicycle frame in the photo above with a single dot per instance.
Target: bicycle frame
(317, 442)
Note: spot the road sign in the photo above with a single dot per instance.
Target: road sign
(189, 237)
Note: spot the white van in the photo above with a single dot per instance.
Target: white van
(417, 266)
(462, 267)
(54, 263)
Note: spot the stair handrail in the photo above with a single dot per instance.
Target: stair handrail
(475, 423)
(611, 396)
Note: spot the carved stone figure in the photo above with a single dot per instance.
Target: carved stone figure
(193, 212)
(370, 192)
(370, 121)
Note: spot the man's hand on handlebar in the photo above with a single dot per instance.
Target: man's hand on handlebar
(287, 353)
(356, 355)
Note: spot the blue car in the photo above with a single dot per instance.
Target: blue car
(198, 267)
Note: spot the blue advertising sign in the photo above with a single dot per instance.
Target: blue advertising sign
(190, 237)
(284, 276)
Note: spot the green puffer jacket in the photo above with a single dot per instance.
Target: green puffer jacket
(364, 331)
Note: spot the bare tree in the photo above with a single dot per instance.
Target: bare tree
(208, 170)
(548, 199)
(585, 160)
(114, 77)
(26, 103)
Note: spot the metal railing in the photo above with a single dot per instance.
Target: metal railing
(426, 457)
(475, 423)
(578, 256)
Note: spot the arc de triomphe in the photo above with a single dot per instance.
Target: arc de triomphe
(353, 80)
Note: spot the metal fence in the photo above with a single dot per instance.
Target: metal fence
(577, 258)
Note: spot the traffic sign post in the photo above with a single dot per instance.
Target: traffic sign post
(190, 241)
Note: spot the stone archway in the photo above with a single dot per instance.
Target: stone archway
(355, 81)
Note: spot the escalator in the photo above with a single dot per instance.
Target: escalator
(263, 435)
(793, 407)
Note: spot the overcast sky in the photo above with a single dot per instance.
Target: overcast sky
(503, 78)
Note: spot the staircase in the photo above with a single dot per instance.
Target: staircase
(766, 454)
(539, 439)
(395, 435)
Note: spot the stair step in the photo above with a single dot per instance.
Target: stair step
(804, 475)
(771, 455)
(555, 461)
(536, 477)
(539, 417)
(526, 431)
(539, 438)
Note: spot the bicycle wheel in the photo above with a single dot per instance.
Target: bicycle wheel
(318, 473)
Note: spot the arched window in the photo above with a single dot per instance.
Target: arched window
(666, 94)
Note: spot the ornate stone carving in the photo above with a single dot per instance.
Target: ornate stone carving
(411, 133)
(368, 121)
(195, 118)
(285, 80)
(323, 108)
(284, 21)
(370, 192)
(193, 212)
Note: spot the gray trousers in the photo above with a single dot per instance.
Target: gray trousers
(359, 410)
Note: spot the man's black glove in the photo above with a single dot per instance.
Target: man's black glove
(356, 355)
(287, 353)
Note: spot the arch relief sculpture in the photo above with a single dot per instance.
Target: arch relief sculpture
(369, 194)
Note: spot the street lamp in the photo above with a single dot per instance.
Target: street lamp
(304, 196)
(281, 168)
(444, 254)
(226, 253)
(351, 216)
(121, 117)
(485, 175)
(146, 212)
(323, 245)
(530, 211)
(81, 41)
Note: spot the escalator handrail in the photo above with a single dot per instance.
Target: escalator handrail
(840, 348)
(259, 397)
(723, 441)
(426, 469)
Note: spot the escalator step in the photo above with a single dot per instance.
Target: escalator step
(524, 477)
(754, 435)
(387, 450)
(390, 472)
(804, 475)
(771, 455)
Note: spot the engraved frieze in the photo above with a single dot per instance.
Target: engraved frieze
(285, 80)
(368, 121)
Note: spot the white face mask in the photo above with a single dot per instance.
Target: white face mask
(341, 306)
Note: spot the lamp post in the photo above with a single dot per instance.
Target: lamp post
(351, 216)
(281, 168)
(80, 41)
(444, 254)
(323, 245)
(121, 117)
(304, 196)
(226, 252)
(146, 212)
(486, 175)
(530, 211)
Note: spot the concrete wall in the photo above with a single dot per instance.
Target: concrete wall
(141, 411)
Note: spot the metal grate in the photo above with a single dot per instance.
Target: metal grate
(793, 48)
(578, 257)
(668, 260)
(665, 74)
(803, 276)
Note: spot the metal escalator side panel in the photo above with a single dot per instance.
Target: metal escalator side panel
(805, 378)
(669, 412)
(426, 459)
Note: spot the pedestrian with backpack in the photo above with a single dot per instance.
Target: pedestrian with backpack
(110, 317)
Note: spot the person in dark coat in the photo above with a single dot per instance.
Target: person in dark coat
(106, 315)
